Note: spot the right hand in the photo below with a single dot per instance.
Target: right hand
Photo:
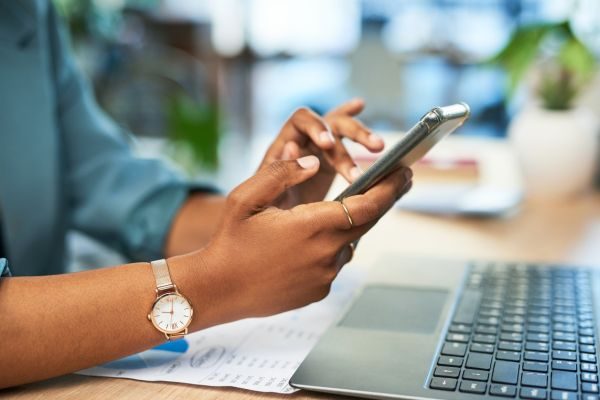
(268, 260)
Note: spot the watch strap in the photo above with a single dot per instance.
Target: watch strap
(161, 275)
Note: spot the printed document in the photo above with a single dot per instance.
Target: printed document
(259, 354)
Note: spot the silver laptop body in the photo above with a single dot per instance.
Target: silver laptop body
(387, 344)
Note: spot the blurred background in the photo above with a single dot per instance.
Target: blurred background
(209, 83)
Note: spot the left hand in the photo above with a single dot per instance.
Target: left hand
(306, 133)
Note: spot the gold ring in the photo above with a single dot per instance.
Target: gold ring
(347, 213)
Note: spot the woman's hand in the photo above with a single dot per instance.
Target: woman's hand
(306, 133)
(264, 260)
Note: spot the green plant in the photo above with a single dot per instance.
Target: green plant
(566, 65)
(194, 129)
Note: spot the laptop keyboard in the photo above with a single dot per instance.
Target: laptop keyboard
(522, 332)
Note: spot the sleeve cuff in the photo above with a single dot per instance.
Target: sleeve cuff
(150, 223)
(4, 271)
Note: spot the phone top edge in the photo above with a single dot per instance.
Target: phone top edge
(458, 110)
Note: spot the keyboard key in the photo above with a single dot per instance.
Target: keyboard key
(472, 387)
(539, 328)
(457, 337)
(443, 384)
(447, 372)
(584, 357)
(564, 355)
(532, 393)
(584, 348)
(482, 348)
(450, 361)
(587, 367)
(511, 337)
(587, 396)
(490, 312)
(539, 310)
(490, 339)
(533, 356)
(564, 328)
(557, 395)
(564, 380)
(534, 379)
(492, 321)
(537, 346)
(513, 319)
(509, 346)
(486, 330)
(467, 307)
(538, 337)
(587, 377)
(535, 366)
(586, 324)
(479, 361)
(562, 336)
(454, 349)
(459, 328)
(564, 365)
(505, 372)
(589, 387)
(503, 390)
(538, 320)
(586, 340)
(508, 355)
(567, 346)
(515, 311)
(516, 328)
(475, 375)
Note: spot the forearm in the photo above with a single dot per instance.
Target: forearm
(194, 224)
(58, 324)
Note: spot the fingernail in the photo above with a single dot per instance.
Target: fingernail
(326, 137)
(355, 172)
(308, 162)
(408, 174)
(373, 138)
(286, 153)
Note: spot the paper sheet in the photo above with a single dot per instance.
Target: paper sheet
(259, 354)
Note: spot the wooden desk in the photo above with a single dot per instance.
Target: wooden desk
(567, 232)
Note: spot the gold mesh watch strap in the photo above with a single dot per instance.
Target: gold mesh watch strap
(161, 274)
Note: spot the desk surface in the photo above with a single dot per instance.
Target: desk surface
(558, 232)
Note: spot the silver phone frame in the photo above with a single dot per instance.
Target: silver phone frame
(413, 146)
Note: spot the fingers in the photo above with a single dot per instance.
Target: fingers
(356, 131)
(343, 162)
(373, 204)
(363, 209)
(269, 183)
(304, 124)
(351, 107)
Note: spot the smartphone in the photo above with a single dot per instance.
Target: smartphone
(431, 128)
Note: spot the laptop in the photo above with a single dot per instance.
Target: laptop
(434, 329)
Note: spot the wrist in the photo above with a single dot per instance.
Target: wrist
(186, 233)
(198, 276)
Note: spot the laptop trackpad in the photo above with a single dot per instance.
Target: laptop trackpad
(394, 308)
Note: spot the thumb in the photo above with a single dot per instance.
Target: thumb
(270, 182)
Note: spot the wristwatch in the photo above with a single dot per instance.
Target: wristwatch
(171, 312)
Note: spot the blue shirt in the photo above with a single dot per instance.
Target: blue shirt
(63, 163)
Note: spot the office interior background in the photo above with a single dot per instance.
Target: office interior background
(209, 83)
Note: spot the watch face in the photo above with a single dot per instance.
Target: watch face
(172, 313)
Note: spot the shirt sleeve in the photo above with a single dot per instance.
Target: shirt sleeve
(122, 200)
(4, 271)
